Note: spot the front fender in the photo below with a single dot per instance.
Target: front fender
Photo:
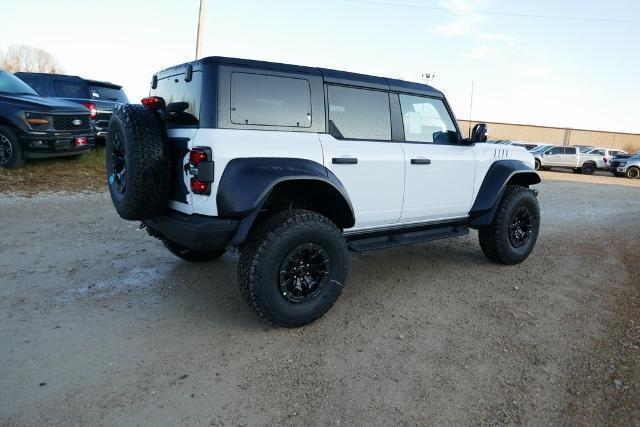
(500, 174)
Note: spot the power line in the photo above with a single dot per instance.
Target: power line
(497, 13)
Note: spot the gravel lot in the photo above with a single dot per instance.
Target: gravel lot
(99, 324)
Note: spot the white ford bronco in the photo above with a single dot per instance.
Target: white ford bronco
(295, 166)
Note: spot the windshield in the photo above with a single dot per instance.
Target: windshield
(108, 94)
(12, 85)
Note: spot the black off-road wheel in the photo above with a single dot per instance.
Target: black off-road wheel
(588, 168)
(190, 254)
(514, 231)
(10, 150)
(138, 162)
(293, 267)
(632, 172)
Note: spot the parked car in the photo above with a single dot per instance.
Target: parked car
(629, 166)
(99, 97)
(569, 157)
(294, 166)
(35, 127)
(606, 154)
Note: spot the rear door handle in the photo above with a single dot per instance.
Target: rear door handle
(420, 161)
(344, 161)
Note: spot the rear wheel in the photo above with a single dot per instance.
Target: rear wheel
(293, 267)
(588, 168)
(514, 231)
(190, 254)
(10, 150)
(633, 172)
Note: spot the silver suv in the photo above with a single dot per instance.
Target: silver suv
(629, 167)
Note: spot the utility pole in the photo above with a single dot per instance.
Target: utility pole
(470, 109)
(200, 29)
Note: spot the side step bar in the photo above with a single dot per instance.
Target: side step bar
(400, 237)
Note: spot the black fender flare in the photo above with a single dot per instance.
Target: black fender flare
(500, 174)
(246, 184)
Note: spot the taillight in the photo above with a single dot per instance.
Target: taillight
(156, 102)
(92, 110)
(198, 186)
(605, 159)
(197, 156)
(201, 168)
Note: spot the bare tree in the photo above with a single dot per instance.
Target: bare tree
(28, 58)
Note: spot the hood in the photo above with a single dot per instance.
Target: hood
(40, 104)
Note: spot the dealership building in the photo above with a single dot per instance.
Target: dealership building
(559, 136)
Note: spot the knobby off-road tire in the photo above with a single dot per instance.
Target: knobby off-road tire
(138, 162)
(267, 275)
(191, 255)
(514, 231)
(10, 150)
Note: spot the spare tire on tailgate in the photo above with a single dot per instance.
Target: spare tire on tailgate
(138, 162)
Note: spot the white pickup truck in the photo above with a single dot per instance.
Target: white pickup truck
(569, 157)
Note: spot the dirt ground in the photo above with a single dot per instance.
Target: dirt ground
(99, 324)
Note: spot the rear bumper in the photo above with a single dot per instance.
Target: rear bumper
(197, 232)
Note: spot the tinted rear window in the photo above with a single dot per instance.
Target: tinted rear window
(258, 99)
(360, 113)
(71, 89)
(176, 90)
(105, 93)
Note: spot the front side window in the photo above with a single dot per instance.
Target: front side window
(426, 120)
(360, 113)
(555, 150)
(258, 99)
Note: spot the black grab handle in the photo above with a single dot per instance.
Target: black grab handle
(420, 161)
(344, 161)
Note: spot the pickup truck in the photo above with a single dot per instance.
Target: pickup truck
(569, 157)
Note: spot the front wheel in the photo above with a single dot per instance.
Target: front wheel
(293, 267)
(10, 150)
(514, 230)
(191, 255)
(632, 173)
(538, 165)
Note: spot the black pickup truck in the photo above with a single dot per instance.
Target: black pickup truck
(99, 97)
(35, 127)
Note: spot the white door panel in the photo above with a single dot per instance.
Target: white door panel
(375, 183)
(439, 181)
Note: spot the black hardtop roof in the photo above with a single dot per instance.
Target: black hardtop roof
(329, 75)
(69, 77)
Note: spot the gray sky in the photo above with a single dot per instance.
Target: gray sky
(566, 63)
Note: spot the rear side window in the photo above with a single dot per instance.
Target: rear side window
(263, 100)
(71, 89)
(360, 113)
(182, 98)
(105, 93)
(570, 150)
(425, 119)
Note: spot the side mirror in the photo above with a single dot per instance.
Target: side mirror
(479, 133)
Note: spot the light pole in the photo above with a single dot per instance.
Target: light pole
(200, 29)
(470, 109)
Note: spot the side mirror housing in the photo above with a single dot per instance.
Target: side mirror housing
(479, 133)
